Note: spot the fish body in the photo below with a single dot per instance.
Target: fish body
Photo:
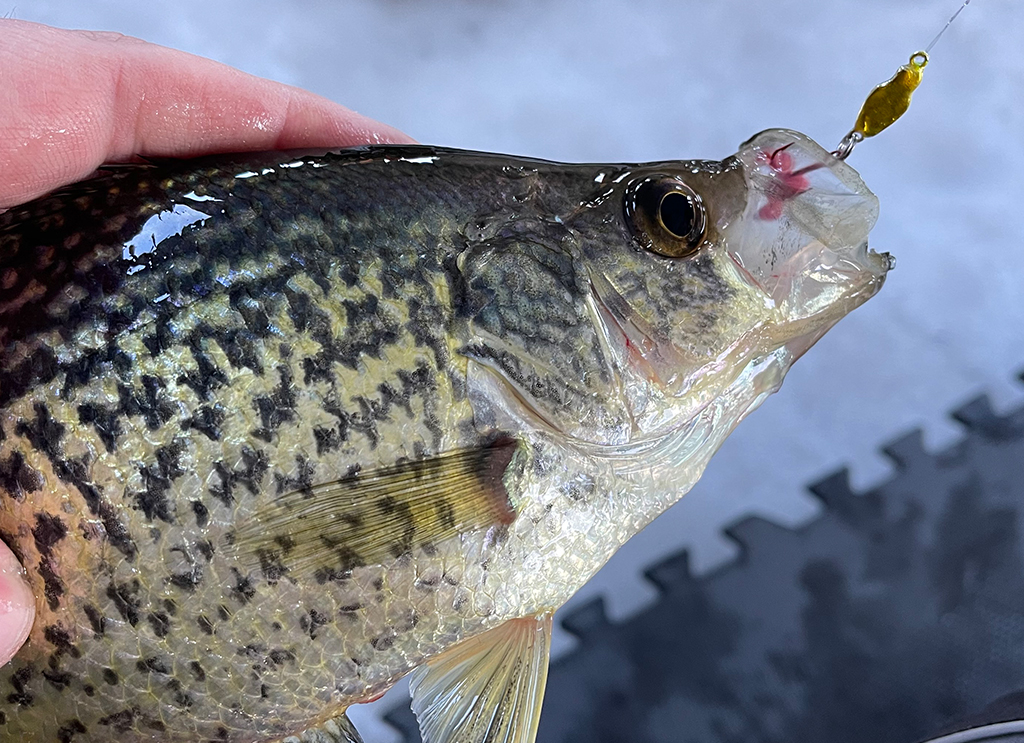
(278, 429)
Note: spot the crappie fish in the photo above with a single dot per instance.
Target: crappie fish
(279, 429)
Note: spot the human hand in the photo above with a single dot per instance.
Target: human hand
(73, 100)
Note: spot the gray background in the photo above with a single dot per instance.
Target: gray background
(621, 80)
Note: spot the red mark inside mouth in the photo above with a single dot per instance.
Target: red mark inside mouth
(787, 182)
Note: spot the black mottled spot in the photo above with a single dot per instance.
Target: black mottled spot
(427, 325)
(122, 721)
(271, 566)
(312, 622)
(53, 587)
(206, 377)
(202, 513)
(327, 439)
(328, 574)
(207, 420)
(18, 680)
(181, 697)
(384, 641)
(89, 690)
(97, 621)
(263, 691)
(151, 402)
(83, 370)
(249, 472)
(44, 433)
(197, 670)
(106, 421)
(205, 624)
(280, 656)
(251, 309)
(110, 676)
(60, 639)
(368, 331)
(223, 613)
(205, 548)
(160, 623)
(428, 583)
(187, 581)
(300, 482)
(350, 608)
(48, 531)
(445, 513)
(243, 590)
(126, 599)
(154, 665)
(253, 650)
(161, 339)
(157, 479)
(68, 730)
(278, 407)
(59, 680)
(348, 560)
(403, 541)
(17, 478)
(241, 347)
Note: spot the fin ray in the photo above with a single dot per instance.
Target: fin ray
(488, 689)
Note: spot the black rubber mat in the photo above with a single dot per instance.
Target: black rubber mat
(895, 617)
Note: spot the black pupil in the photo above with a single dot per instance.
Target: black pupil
(677, 214)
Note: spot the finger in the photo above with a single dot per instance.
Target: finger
(72, 100)
(17, 608)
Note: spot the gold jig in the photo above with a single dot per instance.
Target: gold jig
(886, 103)
(890, 100)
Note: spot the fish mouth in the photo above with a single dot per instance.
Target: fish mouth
(802, 239)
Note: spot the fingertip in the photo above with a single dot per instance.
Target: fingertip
(312, 121)
(72, 100)
(17, 606)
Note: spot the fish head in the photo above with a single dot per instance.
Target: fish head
(720, 268)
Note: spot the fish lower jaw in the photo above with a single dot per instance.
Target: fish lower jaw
(798, 334)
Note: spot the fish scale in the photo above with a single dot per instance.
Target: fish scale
(279, 428)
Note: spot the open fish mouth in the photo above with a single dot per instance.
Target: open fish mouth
(803, 236)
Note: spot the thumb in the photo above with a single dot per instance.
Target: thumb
(17, 607)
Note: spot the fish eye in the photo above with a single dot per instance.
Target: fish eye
(665, 215)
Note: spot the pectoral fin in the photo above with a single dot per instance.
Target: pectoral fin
(488, 689)
(377, 515)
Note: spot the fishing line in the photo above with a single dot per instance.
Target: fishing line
(948, 24)
(888, 101)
